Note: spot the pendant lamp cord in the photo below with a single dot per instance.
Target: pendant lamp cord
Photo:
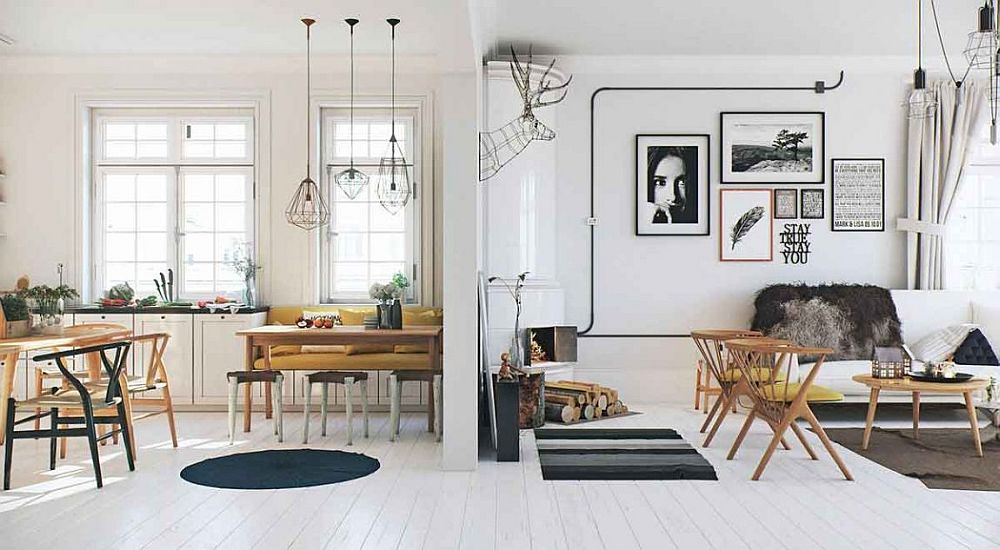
(308, 101)
(392, 95)
(352, 94)
(944, 51)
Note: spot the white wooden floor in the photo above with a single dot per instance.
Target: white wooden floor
(410, 503)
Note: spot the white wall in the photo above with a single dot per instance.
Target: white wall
(38, 148)
(675, 284)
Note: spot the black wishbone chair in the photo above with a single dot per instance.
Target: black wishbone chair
(91, 404)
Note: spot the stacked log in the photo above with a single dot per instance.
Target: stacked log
(568, 401)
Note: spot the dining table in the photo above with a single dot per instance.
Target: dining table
(69, 337)
(265, 337)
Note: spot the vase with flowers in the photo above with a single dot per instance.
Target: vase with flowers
(387, 296)
(244, 264)
(48, 305)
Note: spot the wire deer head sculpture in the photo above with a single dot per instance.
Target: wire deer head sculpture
(500, 146)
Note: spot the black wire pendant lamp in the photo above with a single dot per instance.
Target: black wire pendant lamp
(922, 102)
(308, 210)
(983, 52)
(352, 181)
(393, 182)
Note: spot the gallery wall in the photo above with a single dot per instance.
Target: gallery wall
(673, 284)
(38, 145)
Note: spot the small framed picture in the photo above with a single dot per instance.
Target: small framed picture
(671, 184)
(746, 225)
(812, 207)
(857, 194)
(778, 147)
(786, 204)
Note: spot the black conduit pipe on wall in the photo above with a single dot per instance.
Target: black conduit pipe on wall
(818, 87)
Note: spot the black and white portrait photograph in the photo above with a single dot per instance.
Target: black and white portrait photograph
(786, 204)
(772, 147)
(672, 184)
(812, 204)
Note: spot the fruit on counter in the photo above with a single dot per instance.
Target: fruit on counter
(328, 323)
(222, 300)
(114, 302)
(302, 323)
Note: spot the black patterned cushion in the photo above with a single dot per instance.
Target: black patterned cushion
(975, 350)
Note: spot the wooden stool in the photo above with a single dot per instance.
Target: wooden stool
(396, 380)
(248, 377)
(348, 379)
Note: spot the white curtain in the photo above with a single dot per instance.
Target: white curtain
(937, 152)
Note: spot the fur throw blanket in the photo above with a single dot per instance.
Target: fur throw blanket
(850, 319)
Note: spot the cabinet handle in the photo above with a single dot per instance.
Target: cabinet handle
(222, 317)
(104, 316)
(163, 317)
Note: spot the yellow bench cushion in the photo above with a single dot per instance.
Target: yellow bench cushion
(341, 361)
(758, 374)
(815, 393)
(429, 318)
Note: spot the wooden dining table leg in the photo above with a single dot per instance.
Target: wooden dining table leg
(247, 388)
(94, 367)
(268, 399)
(974, 421)
(916, 415)
(7, 387)
(434, 349)
(870, 419)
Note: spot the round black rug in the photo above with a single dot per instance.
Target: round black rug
(280, 469)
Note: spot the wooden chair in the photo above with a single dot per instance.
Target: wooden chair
(703, 388)
(732, 385)
(347, 379)
(266, 377)
(396, 379)
(100, 404)
(783, 402)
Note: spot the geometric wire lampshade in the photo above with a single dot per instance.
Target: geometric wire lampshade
(307, 210)
(922, 103)
(981, 49)
(393, 181)
(351, 181)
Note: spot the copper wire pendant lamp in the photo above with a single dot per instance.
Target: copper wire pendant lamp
(393, 182)
(351, 181)
(307, 209)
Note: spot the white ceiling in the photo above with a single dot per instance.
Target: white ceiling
(428, 27)
(730, 27)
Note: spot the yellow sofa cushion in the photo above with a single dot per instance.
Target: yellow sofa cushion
(815, 393)
(322, 349)
(428, 318)
(341, 361)
(285, 350)
(356, 317)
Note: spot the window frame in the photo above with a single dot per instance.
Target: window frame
(176, 117)
(415, 239)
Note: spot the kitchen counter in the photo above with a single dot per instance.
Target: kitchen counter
(160, 310)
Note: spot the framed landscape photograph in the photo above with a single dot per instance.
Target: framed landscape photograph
(671, 184)
(786, 204)
(746, 225)
(812, 207)
(857, 194)
(775, 147)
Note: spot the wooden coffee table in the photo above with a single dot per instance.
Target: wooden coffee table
(915, 388)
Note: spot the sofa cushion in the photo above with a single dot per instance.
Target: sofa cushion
(324, 349)
(341, 361)
(976, 350)
(428, 318)
(850, 319)
(356, 317)
(941, 344)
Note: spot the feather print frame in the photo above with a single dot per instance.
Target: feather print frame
(746, 226)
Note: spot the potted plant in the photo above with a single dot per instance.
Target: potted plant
(244, 264)
(48, 304)
(15, 310)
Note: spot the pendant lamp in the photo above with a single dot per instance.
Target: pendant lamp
(393, 182)
(922, 102)
(352, 181)
(308, 210)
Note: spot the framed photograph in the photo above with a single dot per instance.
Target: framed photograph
(786, 204)
(746, 225)
(671, 184)
(773, 147)
(857, 195)
(812, 207)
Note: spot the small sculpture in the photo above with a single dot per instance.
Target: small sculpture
(500, 146)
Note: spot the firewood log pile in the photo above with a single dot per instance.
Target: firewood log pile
(567, 402)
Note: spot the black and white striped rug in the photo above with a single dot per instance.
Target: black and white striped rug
(618, 453)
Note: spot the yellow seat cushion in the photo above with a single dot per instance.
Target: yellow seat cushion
(342, 361)
(758, 374)
(356, 317)
(429, 318)
(815, 393)
(285, 350)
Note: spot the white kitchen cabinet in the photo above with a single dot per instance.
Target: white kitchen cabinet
(127, 320)
(219, 350)
(179, 355)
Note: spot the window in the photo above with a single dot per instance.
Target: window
(172, 190)
(972, 247)
(364, 243)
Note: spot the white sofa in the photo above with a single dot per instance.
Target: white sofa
(920, 313)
